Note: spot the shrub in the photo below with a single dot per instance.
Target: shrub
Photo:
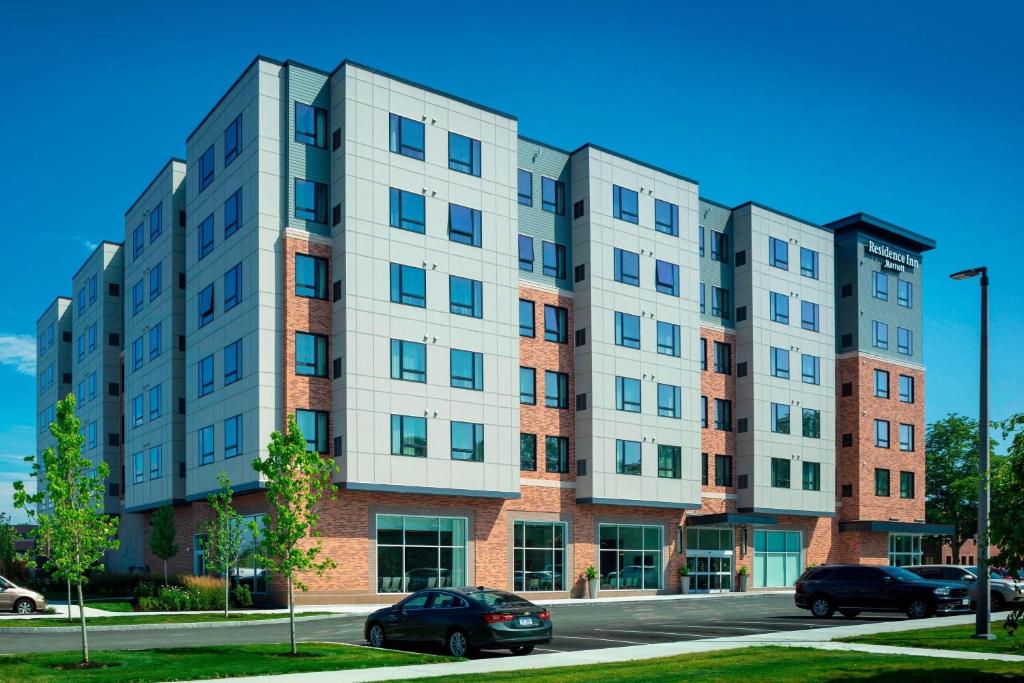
(149, 603)
(241, 596)
(174, 599)
(206, 592)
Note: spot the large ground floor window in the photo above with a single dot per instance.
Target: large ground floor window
(247, 570)
(420, 552)
(709, 557)
(630, 556)
(538, 556)
(778, 558)
(904, 549)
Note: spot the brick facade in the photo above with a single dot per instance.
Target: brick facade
(718, 385)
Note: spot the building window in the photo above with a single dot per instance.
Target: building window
(906, 437)
(409, 436)
(670, 462)
(527, 386)
(780, 362)
(880, 285)
(627, 330)
(881, 433)
(154, 402)
(780, 473)
(206, 169)
(464, 225)
(465, 296)
(581, 402)
(778, 556)
(627, 457)
(556, 389)
(624, 204)
(408, 285)
(526, 253)
(310, 201)
(904, 293)
(233, 214)
(138, 414)
(881, 383)
(552, 195)
(408, 361)
(627, 394)
(524, 183)
(809, 316)
(720, 302)
(702, 298)
(232, 287)
(92, 299)
(556, 324)
(155, 281)
(310, 125)
(906, 389)
(723, 415)
(138, 297)
(812, 476)
(92, 435)
(206, 445)
(418, 552)
(310, 276)
(704, 412)
(233, 362)
(92, 339)
(723, 358)
(538, 551)
(232, 141)
(904, 341)
(812, 423)
(313, 425)
(906, 484)
(206, 376)
(528, 452)
(156, 222)
(406, 137)
(700, 239)
(778, 253)
(205, 303)
(666, 217)
(723, 470)
(467, 370)
(719, 246)
(526, 318)
(668, 339)
(467, 441)
(408, 210)
(779, 307)
(630, 556)
(138, 468)
(881, 482)
(880, 334)
(780, 418)
(808, 263)
(310, 354)
(205, 237)
(669, 401)
(810, 370)
(556, 454)
(703, 353)
(627, 267)
(666, 277)
(232, 436)
(904, 550)
(704, 469)
(155, 463)
(554, 260)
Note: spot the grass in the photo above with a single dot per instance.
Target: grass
(949, 638)
(776, 664)
(187, 663)
(143, 618)
(110, 605)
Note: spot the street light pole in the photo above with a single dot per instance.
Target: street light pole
(982, 629)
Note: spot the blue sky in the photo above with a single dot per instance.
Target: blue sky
(909, 111)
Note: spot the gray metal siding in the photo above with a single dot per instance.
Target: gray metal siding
(306, 161)
(716, 273)
(539, 224)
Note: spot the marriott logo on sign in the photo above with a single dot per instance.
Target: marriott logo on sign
(894, 260)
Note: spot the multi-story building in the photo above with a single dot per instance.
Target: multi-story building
(356, 250)
(53, 368)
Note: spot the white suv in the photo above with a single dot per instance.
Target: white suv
(1006, 593)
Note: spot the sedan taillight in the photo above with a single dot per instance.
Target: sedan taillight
(495, 617)
(544, 615)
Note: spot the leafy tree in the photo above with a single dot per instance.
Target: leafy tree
(223, 535)
(1007, 502)
(78, 531)
(951, 482)
(8, 535)
(296, 479)
(161, 535)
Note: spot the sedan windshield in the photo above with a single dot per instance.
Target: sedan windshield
(499, 599)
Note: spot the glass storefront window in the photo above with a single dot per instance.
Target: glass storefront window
(778, 558)
(420, 552)
(538, 556)
(630, 556)
(904, 549)
(248, 570)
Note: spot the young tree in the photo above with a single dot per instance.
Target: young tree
(296, 479)
(223, 535)
(77, 530)
(8, 535)
(161, 535)
(951, 480)
(1005, 528)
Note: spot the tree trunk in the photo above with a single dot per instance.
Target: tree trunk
(69, 601)
(81, 618)
(226, 584)
(291, 615)
(955, 544)
(165, 572)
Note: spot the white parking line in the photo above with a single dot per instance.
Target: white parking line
(544, 649)
(606, 640)
(657, 633)
(698, 626)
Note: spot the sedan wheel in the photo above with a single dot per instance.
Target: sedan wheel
(376, 636)
(24, 607)
(457, 644)
(918, 609)
(822, 608)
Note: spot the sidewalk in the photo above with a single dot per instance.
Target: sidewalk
(815, 638)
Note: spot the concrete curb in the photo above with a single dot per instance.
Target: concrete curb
(162, 627)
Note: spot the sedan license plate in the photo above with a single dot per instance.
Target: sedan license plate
(964, 601)
(524, 621)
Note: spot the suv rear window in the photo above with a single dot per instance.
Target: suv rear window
(498, 599)
(818, 574)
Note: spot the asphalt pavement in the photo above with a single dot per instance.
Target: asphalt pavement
(579, 626)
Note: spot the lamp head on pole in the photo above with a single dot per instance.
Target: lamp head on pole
(969, 273)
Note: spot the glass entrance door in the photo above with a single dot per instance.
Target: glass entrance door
(709, 557)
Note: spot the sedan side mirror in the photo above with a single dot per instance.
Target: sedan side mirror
(886, 579)
(970, 577)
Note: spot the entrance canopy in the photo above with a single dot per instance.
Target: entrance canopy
(721, 518)
(898, 527)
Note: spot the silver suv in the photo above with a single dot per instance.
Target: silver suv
(1006, 593)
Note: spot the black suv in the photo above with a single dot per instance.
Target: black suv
(853, 588)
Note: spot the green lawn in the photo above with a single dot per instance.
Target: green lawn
(775, 664)
(175, 664)
(950, 638)
(109, 605)
(143, 618)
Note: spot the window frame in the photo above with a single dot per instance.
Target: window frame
(399, 371)
(472, 234)
(624, 385)
(315, 366)
(554, 204)
(317, 212)
(318, 288)
(399, 129)
(671, 227)
(400, 276)
(473, 381)
(629, 214)
(624, 257)
(398, 201)
(476, 451)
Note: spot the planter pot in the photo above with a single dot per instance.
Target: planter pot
(592, 585)
(684, 585)
(744, 582)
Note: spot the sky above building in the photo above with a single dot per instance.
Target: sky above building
(910, 111)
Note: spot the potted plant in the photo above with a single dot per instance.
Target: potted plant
(744, 576)
(684, 580)
(591, 580)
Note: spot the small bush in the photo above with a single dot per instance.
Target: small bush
(241, 596)
(150, 604)
(206, 592)
(174, 599)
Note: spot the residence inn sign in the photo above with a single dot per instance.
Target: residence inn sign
(892, 259)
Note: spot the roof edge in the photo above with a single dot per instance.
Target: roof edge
(258, 58)
(854, 221)
(93, 253)
(153, 182)
(634, 160)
